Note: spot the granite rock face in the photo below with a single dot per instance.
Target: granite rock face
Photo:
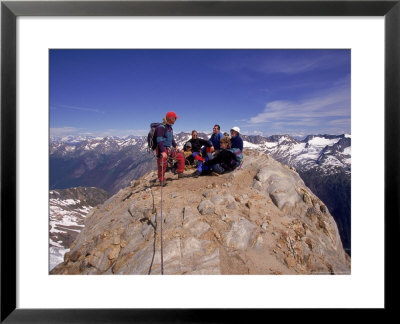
(260, 219)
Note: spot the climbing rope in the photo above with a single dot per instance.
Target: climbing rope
(161, 211)
(161, 238)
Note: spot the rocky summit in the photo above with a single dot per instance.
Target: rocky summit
(259, 219)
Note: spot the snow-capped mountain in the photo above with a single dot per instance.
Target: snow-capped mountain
(79, 145)
(71, 139)
(329, 153)
(68, 209)
(111, 163)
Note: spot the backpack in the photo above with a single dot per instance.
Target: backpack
(238, 154)
(151, 137)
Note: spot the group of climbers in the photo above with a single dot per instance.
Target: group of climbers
(219, 154)
(224, 155)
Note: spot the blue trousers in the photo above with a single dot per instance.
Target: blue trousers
(215, 167)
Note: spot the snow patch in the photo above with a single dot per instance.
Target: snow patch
(66, 202)
(347, 150)
(271, 145)
(320, 141)
(282, 139)
(250, 145)
(56, 256)
(297, 148)
(64, 218)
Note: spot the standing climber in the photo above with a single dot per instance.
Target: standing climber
(166, 147)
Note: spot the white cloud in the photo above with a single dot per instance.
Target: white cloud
(64, 131)
(292, 66)
(94, 110)
(286, 64)
(122, 132)
(335, 104)
(340, 122)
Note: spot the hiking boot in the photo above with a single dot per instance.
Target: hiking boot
(180, 175)
(215, 174)
(196, 174)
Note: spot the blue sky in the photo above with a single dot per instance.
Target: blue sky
(266, 92)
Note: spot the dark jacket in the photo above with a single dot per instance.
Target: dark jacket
(215, 140)
(198, 143)
(225, 158)
(237, 142)
(165, 137)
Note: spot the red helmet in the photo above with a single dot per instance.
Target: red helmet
(171, 114)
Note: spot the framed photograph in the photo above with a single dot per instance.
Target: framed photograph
(358, 40)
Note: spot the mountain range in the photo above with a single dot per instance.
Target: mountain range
(111, 163)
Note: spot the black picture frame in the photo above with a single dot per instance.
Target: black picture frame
(10, 10)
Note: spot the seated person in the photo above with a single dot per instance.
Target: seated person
(223, 162)
(236, 140)
(187, 152)
(216, 137)
(197, 144)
